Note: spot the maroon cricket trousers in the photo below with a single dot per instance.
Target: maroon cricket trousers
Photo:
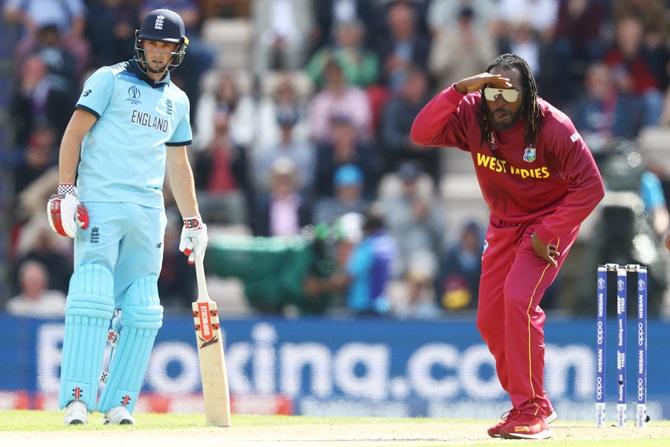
(509, 316)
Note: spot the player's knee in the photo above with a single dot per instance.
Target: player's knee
(141, 305)
(516, 296)
(91, 292)
(488, 325)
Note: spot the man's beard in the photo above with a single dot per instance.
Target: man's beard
(497, 125)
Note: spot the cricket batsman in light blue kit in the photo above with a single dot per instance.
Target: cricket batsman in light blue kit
(130, 125)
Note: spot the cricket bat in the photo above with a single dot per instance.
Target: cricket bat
(210, 353)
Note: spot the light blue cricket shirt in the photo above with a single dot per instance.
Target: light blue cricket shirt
(123, 155)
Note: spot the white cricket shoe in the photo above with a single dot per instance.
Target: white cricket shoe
(119, 416)
(76, 413)
(552, 417)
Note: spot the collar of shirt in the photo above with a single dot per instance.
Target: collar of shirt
(134, 67)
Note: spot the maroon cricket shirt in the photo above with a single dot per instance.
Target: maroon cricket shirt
(555, 182)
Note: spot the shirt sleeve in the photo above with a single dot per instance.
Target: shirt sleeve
(585, 185)
(97, 92)
(183, 135)
(441, 122)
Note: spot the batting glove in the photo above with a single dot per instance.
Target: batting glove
(65, 212)
(193, 241)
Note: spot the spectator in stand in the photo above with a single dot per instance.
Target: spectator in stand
(460, 268)
(416, 294)
(344, 149)
(524, 41)
(67, 15)
(403, 45)
(282, 39)
(397, 119)
(37, 157)
(540, 15)
(460, 49)
(360, 66)
(576, 43)
(58, 59)
(283, 96)
(601, 113)
(330, 13)
(349, 184)
(338, 98)
(655, 206)
(370, 268)
(594, 113)
(35, 300)
(445, 14)
(633, 73)
(200, 56)
(43, 248)
(221, 176)
(39, 100)
(226, 95)
(653, 15)
(414, 216)
(299, 151)
(110, 27)
(282, 211)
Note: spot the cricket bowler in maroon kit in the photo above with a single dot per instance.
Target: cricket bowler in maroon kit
(540, 182)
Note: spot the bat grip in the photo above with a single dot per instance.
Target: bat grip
(203, 295)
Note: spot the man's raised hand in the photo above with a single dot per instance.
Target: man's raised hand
(479, 81)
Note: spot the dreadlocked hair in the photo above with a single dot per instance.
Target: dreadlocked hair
(530, 111)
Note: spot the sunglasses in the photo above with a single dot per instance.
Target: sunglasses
(508, 94)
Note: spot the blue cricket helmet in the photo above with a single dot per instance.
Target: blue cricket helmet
(162, 25)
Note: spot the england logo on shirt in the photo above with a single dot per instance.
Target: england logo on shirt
(529, 154)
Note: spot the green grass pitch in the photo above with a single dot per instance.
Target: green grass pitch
(189, 430)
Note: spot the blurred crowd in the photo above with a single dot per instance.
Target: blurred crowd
(301, 111)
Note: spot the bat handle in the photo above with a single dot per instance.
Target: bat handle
(203, 295)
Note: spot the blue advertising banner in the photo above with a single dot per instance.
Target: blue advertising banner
(359, 367)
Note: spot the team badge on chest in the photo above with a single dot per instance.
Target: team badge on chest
(529, 154)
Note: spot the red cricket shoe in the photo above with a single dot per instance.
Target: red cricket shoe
(494, 431)
(526, 426)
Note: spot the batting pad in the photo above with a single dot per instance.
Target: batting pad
(90, 305)
(141, 317)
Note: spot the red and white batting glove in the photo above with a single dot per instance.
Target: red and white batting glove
(193, 241)
(65, 212)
